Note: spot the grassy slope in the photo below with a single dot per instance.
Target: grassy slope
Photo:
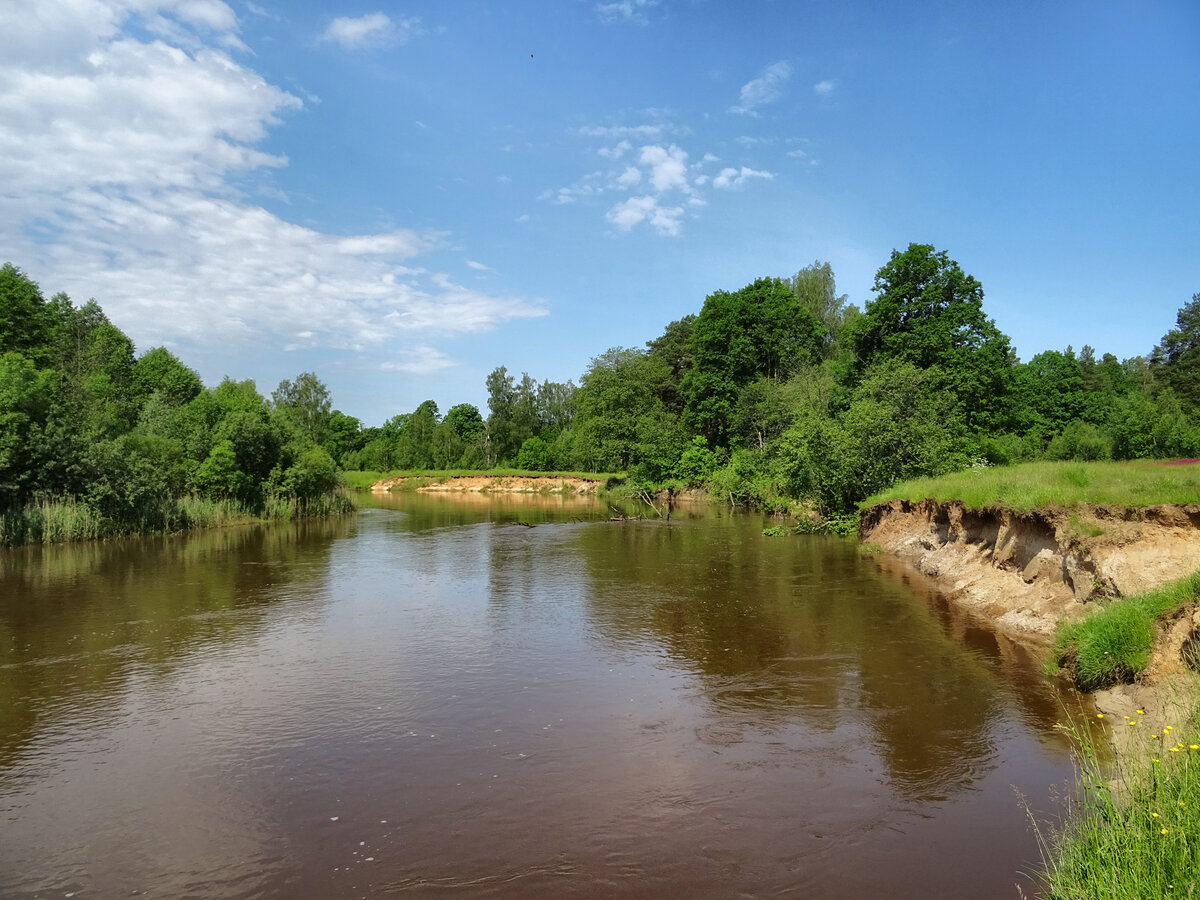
(1046, 484)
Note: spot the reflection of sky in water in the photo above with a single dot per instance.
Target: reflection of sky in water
(684, 708)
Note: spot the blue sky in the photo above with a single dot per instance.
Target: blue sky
(403, 196)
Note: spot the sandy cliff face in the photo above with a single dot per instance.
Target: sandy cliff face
(499, 484)
(1025, 571)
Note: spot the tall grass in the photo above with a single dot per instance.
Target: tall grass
(1046, 484)
(1113, 646)
(1134, 831)
(50, 521)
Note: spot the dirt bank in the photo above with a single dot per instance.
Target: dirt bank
(506, 484)
(1025, 571)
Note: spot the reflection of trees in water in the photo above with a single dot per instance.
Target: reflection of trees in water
(78, 619)
(803, 628)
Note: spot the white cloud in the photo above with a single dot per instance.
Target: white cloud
(730, 179)
(628, 213)
(419, 360)
(478, 266)
(766, 88)
(624, 10)
(823, 88)
(617, 151)
(668, 166)
(373, 28)
(116, 156)
(631, 176)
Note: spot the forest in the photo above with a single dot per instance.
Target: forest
(783, 392)
(96, 441)
(776, 395)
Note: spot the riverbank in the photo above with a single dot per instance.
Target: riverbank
(488, 483)
(1044, 573)
(1027, 571)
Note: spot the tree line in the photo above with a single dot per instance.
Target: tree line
(83, 420)
(784, 391)
(777, 392)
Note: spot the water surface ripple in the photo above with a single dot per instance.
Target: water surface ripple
(432, 700)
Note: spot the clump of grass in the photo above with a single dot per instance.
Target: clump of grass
(1135, 829)
(1113, 646)
(1046, 484)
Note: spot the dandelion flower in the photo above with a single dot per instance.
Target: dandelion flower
(1099, 715)
(1195, 746)
(1141, 712)
(1154, 814)
(1163, 831)
(1156, 759)
(1132, 722)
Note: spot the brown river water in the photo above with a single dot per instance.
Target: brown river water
(428, 699)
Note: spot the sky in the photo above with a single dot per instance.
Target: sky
(401, 197)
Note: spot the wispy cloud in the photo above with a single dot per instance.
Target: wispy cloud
(118, 158)
(371, 29)
(766, 88)
(731, 179)
(823, 88)
(419, 360)
(625, 10)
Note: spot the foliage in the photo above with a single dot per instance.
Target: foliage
(534, 455)
(1176, 360)
(929, 313)
(761, 331)
(1113, 645)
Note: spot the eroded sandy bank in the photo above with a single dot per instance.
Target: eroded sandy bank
(1026, 571)
(506, 484)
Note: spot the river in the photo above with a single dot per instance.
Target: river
(430, 699)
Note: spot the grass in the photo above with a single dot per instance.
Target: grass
(1047, 484)
(50, 521)
(1135, 829)
(1113, 646)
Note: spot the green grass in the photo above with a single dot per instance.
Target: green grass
(1113, 646)
(1047, 484)
(64, 521)
(1134, 831)
(362, 480)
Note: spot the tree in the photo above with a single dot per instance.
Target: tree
(928, 312)
(816, 289)
(23, 315)
(901, 423)
(760, 331)
(305, 402)
(1176, 360)
(160, 371)
(25, 398)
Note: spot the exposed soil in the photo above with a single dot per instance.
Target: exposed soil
(501, 484)
(1026, 571)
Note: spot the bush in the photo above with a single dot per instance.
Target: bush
(534, 455)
